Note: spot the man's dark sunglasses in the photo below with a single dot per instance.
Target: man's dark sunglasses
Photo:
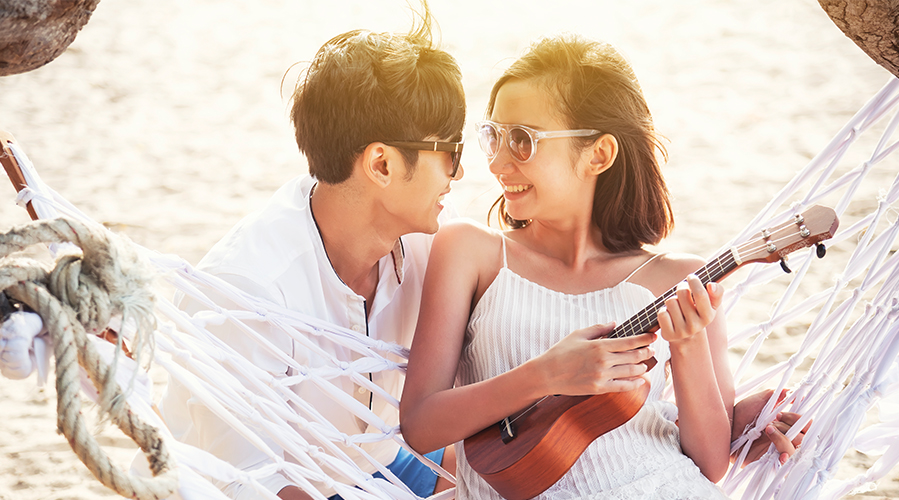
(453, 148)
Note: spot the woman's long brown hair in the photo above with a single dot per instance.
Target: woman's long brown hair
(596, 88)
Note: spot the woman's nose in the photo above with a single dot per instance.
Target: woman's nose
(501, 163)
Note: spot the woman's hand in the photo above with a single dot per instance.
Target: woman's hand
(585, 362)
(690, 310)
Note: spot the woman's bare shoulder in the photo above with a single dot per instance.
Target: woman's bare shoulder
(464, 224)
(465, 233)
(680, 262)
(465, 242)
(669, 269)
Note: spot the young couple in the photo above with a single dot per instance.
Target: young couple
(504, 317)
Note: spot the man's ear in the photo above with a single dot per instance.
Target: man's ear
(378, 162)
(603, 154)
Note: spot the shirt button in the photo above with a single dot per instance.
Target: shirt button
(356, 328)
(362, 390)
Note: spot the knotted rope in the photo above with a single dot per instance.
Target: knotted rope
(80, 295)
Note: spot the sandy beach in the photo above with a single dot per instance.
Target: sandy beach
(167, 121)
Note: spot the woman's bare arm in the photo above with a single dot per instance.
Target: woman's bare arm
(703, 384)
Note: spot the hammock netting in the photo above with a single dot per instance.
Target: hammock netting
(843, 378)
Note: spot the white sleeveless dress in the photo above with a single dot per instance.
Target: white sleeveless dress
(516, 320)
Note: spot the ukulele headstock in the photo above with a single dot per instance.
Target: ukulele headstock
(811, 227)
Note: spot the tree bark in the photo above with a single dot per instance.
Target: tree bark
(34, 32)
(872, 25)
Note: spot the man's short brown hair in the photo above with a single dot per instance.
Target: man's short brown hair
(365, 87)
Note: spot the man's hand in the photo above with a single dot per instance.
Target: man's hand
(748, 409)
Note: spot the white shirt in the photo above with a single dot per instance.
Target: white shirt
(277, 254)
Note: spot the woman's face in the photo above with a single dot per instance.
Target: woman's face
(552, 184)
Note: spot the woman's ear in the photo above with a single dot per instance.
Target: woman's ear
(603, 154)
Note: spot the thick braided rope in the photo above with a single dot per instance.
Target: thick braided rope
(112, 277)
(79, 294)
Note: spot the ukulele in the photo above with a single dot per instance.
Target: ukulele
(529, 451)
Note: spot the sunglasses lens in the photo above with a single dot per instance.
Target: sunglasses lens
(520, 144)
(488, 139)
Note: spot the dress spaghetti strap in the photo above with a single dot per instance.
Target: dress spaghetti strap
(641, 266)
(503, 239)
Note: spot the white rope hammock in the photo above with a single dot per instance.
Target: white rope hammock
(852, 369)
(849, 351)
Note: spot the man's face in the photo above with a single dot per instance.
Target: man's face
(418, 200)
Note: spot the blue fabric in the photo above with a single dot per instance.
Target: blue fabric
(417, 476)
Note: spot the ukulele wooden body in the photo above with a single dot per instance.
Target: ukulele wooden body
(540, 455)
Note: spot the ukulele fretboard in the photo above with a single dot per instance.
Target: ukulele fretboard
(648, 318)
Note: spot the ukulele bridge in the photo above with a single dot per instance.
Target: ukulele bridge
(507, 431)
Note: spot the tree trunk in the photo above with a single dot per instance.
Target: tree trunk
(872, 25)
(34, 32)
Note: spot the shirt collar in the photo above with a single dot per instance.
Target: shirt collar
(398, 263)
(398, 252)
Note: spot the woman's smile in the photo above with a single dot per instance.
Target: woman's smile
(517, 188)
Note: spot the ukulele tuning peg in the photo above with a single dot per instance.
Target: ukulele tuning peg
(820, 250)
(785, 267)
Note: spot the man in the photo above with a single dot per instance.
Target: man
(379, 118)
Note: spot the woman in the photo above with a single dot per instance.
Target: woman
(570, 139)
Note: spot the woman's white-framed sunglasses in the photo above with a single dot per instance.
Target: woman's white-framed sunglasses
(522, 140)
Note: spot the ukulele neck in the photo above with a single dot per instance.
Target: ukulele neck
(647, 319)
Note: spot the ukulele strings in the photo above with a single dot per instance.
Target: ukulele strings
(528, 409)
(647, 318)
